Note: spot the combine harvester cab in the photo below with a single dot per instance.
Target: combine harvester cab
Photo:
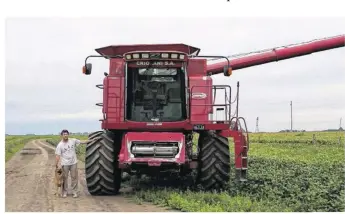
(156, 98)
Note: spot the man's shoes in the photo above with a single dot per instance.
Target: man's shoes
(75, 195)
(64, 195)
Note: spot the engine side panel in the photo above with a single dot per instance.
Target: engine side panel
(153, 148)
(113, 93)
(200, 98)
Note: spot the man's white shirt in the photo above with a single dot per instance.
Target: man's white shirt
(66, 150)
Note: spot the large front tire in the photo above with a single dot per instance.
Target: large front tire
(103, 177)
(213, 161)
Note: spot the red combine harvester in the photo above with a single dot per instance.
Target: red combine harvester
(155, 97)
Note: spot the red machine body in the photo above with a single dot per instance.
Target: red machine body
(171, 83)
(200, 104)
(201, 100)
(277, 54)
(200, 86)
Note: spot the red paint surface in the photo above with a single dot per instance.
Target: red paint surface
(164, 126)
(200, 107)
(116, 67)
(197, 67)
(115, 100)
(279, 54)
(240, 147)
(122, 49)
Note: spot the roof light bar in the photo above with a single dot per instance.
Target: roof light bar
(133, 56)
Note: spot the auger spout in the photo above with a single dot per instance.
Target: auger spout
(277, 54)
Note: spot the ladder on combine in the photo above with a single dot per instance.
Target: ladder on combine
(101, 86)
(241, 140)
(105, 107)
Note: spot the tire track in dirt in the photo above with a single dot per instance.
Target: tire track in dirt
(25, 186)
(30, 187)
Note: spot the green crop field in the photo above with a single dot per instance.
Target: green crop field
(300, 137)
(14, 144)
(287, 172)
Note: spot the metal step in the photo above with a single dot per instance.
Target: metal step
(241, 175)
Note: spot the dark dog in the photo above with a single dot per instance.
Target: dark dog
(58, 180)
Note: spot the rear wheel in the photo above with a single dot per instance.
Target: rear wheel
(213, 161)
(103, 177)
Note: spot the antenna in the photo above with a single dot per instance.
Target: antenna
(291, 115)
(340, 123)
(257, 125)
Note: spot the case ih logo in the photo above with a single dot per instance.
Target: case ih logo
(199, 96)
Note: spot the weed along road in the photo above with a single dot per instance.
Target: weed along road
(30, 187)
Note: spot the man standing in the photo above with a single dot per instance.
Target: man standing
(66, 155)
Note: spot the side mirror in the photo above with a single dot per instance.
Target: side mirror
(227, 71)
(87, 69)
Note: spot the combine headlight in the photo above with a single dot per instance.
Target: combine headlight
(181, 56)
(128, 56)
(165, 55)
(136, 56)
(145, 55)
(174, 56)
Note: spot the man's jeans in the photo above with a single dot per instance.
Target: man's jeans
(74, 177)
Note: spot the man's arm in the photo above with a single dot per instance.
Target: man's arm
(77, 142)
(57, 155)
(57, 160)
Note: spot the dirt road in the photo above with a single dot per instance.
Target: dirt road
(30, 187)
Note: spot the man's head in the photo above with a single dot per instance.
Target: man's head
(64, 134)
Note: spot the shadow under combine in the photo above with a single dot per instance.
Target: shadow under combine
(173, 182)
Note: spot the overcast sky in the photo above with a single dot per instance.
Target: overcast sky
(46, 91)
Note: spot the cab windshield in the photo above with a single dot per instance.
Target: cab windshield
(156, 94)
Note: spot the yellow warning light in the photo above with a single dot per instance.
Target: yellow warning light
(229, 71)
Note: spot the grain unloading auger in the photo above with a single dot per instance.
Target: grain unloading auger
(155, 97)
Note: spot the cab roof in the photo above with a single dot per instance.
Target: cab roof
(113, 50)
